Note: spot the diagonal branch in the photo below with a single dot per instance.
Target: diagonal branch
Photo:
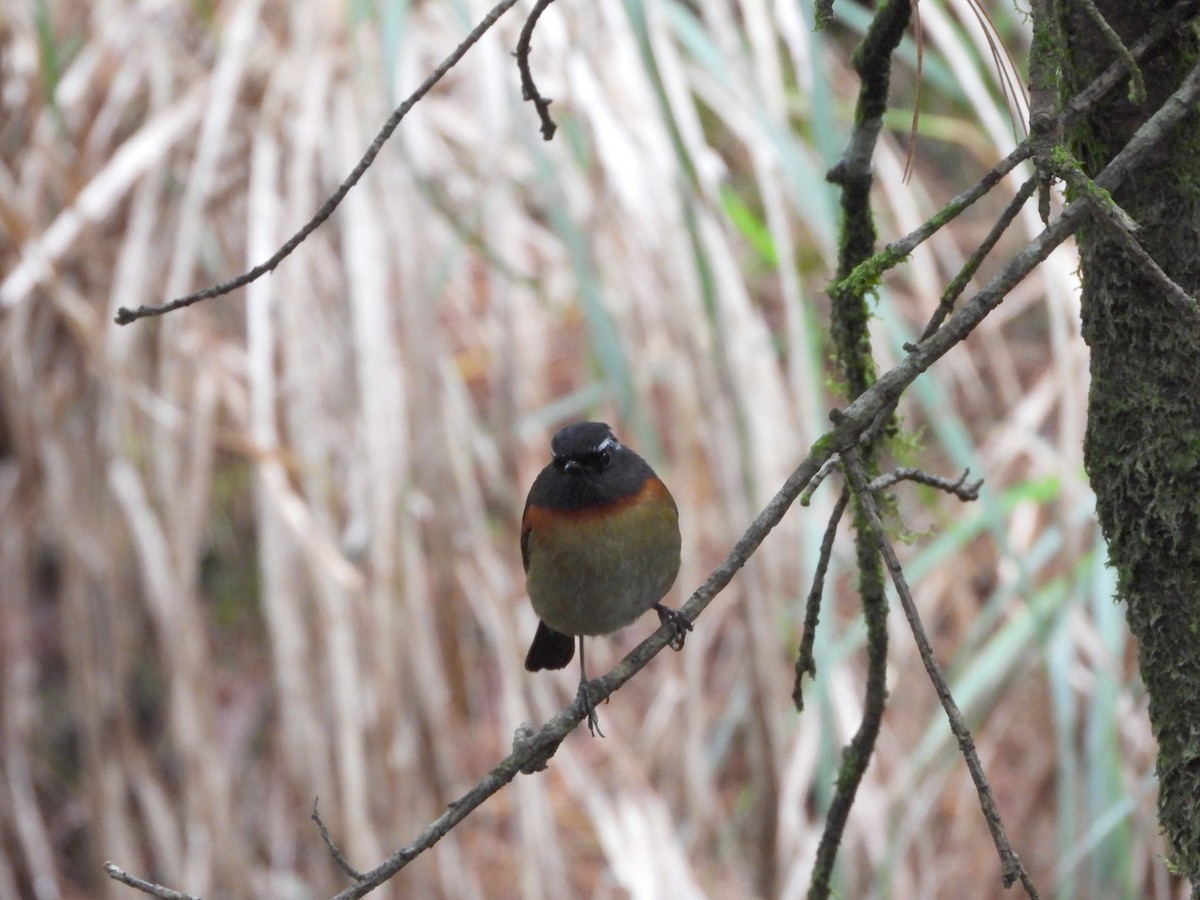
(116, 873)
(1012, 869)
(959, 487)
(125, 315)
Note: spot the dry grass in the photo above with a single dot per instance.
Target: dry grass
(264, 549)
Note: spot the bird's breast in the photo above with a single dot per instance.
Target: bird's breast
(594, 571)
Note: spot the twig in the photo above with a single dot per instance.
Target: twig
(1011, 867)
(805, 664)
(818, 480)
(146, 887)
(959, 488)
(529, 90)
(125, 315)
(1150, 267)
(857, 754)
(959, 283)
(334, 850)
(1123, 226)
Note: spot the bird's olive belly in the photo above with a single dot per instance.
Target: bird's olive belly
(600, 574)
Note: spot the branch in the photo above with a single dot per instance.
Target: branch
(1167, 25)
(1171, 288)
(959, 283)
(146, 887)
(805, 664)
(959, 488)
(851, 340)
(334, 850)
(1011, 866)
(529, 90)
(125, 315)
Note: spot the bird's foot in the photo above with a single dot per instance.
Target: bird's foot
(678, 622)
(593, 720)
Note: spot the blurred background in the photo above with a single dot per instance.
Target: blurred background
(265, 549)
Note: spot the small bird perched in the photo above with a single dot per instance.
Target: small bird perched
(600, 543)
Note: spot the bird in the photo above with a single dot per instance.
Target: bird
(600, 545)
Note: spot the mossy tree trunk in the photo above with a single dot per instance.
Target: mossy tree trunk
(1143, 433)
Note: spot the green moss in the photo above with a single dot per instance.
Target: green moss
(825, 446)
(1142, 445)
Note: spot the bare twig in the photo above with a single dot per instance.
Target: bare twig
(529, 89)
(146, 887)
(805, 664)
(1171, 288)
(125, 315)
(1012, 869)
(959, 487)
(333, 848)
(822, 473)
(959, 283)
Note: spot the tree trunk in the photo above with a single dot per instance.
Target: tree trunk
(1142, 446)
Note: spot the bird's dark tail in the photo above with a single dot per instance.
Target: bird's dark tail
(550, 649)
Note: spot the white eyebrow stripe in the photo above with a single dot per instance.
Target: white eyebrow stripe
(609, 443)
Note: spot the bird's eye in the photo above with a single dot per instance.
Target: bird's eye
(605, 457)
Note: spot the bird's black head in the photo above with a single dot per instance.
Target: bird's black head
(584, 447)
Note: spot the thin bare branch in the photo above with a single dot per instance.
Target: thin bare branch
(959, 487)
(1171, 288)
(1012, 869)
(959, 283)
(830, 465)
(334, 850)
(146, 887)
(805, 663)
(125, 315)
(529, 89)
(1169, 23)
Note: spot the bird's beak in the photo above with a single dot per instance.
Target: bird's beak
(572, 465)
